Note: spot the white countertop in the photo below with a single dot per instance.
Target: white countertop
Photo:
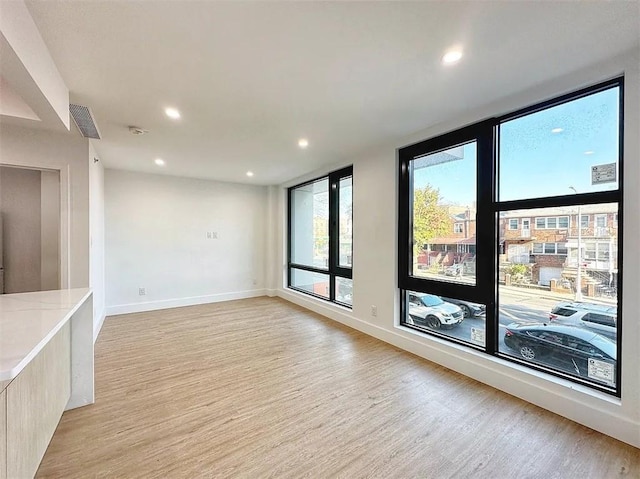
(28, 321)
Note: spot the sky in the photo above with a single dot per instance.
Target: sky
(541, 154)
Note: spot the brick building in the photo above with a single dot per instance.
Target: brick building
(548, 239)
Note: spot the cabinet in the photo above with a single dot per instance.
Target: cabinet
(35, 401)
(3, 435)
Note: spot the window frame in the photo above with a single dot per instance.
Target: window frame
(334, 270)
(511, 228)
(489, 211)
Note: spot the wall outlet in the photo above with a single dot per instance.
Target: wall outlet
(212, 235)
(142, 291)
(374, 311)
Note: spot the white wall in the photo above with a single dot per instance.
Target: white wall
(67, 153)
(375, 269)
(156, 239)
(96, 240)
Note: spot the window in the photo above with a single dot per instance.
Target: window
(552, 223)
(458, 228)
(584, 221)
(549, 248)
(526, 164)
(320, 237)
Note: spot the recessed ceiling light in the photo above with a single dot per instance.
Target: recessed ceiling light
(557, 130)
(159, 161)
(172, 113)
(303, 142)
(588, 152)
(249, 173)
(451, 57)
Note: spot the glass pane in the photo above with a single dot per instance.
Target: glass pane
(344, 291)
(345, 232)
(310, 224)
(568, 322)
(543, 153)
(315, 283)
(444, 215)
(455, 318)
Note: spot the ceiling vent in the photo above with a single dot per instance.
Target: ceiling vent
(83, 118)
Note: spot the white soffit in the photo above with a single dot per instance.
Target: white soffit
(12, 104)
(21, 36)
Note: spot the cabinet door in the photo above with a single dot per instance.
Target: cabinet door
(35, 402)
(3, 435)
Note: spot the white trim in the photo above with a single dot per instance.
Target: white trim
(98, 322)
(180, 302)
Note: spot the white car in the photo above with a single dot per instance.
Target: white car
(430, 311)
(598, 317)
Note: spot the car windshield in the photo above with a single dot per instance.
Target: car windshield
(430, 300)
(605, 345)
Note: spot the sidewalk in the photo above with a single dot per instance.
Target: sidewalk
(546, 294)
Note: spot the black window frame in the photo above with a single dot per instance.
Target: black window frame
(334, 270)
(489, 208)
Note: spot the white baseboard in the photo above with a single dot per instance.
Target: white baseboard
(97, 324)
(180, 302)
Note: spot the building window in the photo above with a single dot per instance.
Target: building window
(492, 160)
(552, 223)
(320, 229)
(584, 221)
(549, 248)
(458, 228)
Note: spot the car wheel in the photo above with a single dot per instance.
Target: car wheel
(433, 322)
(527, 352)
(466, 310)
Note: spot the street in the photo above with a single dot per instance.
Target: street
(515, 306)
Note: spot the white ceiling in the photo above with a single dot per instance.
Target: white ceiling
(251, 78)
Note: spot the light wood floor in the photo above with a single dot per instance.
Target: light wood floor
(262, 388)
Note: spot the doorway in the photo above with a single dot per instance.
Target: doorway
(29, 230)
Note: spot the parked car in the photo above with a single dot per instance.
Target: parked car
(429, 310)
(453, 270)
(565, 347)
(601, 318)
(470, 310)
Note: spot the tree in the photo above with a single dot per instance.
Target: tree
(430, 219)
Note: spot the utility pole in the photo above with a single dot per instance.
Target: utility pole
(578, 296)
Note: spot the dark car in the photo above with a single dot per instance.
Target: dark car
(563, 347)
(470, 310)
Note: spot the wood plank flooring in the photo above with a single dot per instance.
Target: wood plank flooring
(261, 388)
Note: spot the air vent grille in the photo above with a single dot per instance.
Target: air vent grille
(83, 118)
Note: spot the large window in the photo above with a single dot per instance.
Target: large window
(320, 247)
(526, 293)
